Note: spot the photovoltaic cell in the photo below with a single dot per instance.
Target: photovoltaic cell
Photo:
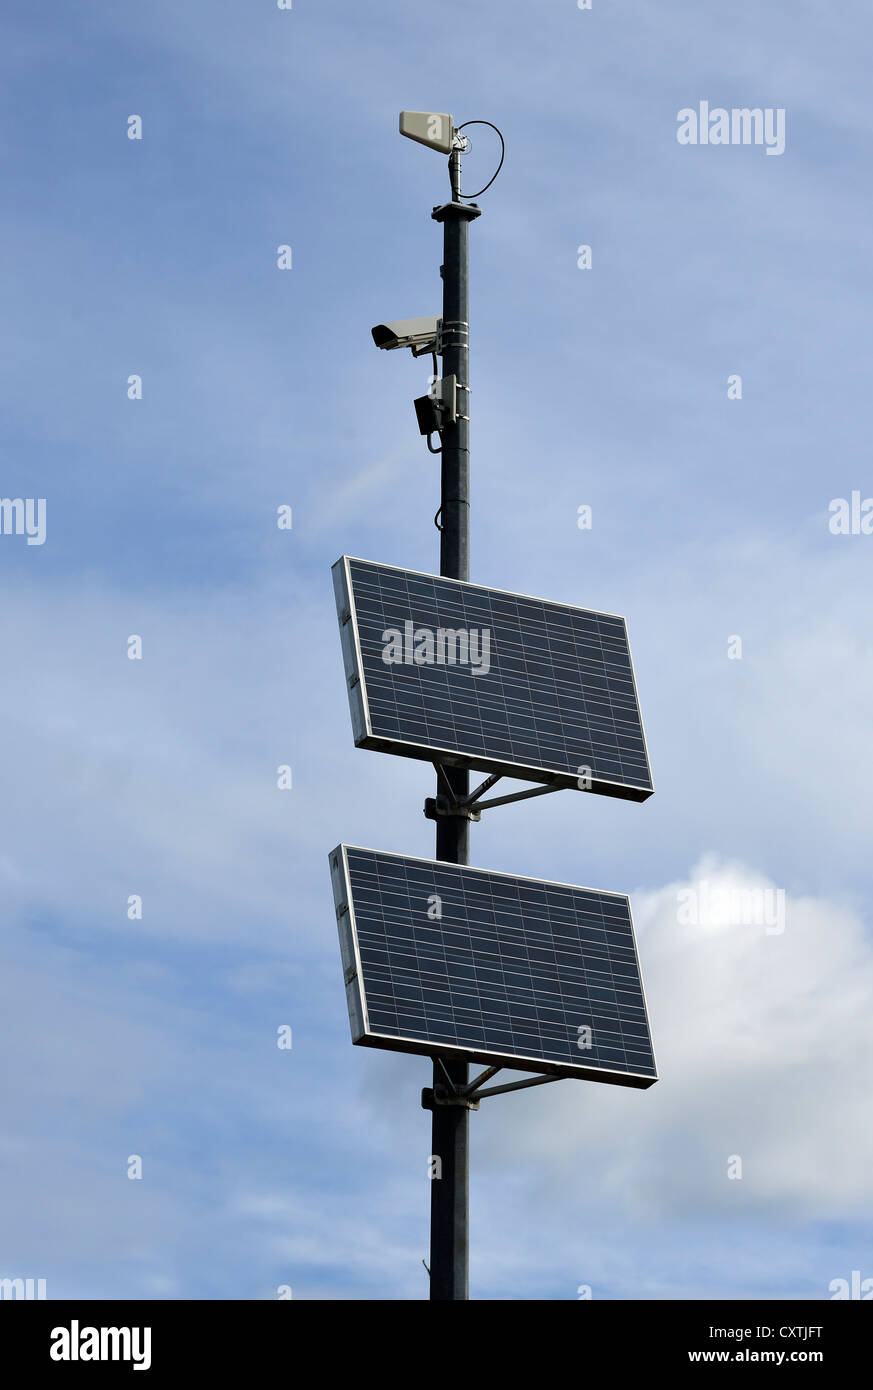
(554, 692)
(512, 970)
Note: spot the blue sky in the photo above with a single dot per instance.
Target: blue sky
(261, 387)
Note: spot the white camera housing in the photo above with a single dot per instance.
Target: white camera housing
(421, 335)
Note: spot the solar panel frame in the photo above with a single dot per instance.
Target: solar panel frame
(368, 736)
(633, 1030)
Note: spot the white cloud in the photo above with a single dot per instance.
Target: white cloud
(765, 1050)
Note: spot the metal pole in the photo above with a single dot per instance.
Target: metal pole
(450, 1192)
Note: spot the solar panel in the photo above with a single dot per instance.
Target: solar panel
(445, 959)
(480, 678)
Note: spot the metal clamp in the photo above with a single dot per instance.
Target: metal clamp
(442, 805)
(433, 1097)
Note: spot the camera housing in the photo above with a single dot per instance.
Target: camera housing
(419, 335)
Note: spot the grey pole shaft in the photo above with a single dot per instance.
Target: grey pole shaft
(450, 1192)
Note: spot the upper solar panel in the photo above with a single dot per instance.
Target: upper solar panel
(445, 959)
(480, 678)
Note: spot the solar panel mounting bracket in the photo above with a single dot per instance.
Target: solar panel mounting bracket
(516, 796)
(446, 803)
(470, 1096)
(475, 1092)
(440, 805)
(515, 1086)
(482, 788)
(474, 801)
(480, 1080)
(471, 808)
(447, 1093)
(441, 1095)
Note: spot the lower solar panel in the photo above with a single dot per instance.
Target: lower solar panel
(445, 959)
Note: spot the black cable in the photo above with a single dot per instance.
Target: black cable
(491, 124)
(430, 446)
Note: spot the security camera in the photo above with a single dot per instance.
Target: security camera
(421, 335)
